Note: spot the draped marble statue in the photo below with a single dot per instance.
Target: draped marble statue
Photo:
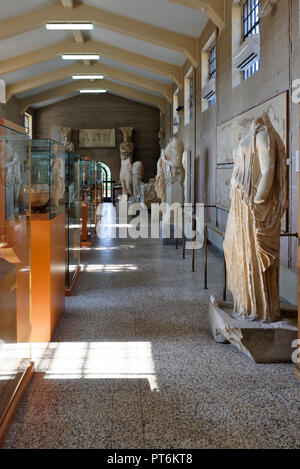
(252, 241)
(160, 180)
(149, 193)
(137, 178)
(172, 159)
(58, 192)
(126, 152)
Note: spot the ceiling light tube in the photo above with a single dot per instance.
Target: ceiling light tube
(80, 57)
(71, 26)
(87, 77)
(92, 91)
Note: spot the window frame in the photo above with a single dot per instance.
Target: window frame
(28, 128)
(212, 71)
(251, 18)
(189, 93)
(175, 113)
(212, 60)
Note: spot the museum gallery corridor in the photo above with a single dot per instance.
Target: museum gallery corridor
(133, 365)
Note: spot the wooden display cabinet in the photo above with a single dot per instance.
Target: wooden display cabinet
(48, 238)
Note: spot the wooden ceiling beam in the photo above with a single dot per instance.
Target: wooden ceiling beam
(30, 59)
(115, 88)
(215, 9)
(79, 69)
(105, 19)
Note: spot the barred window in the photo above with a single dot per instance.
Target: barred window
(212, 71)
(191, 98)
(251, 25)
(188, 97)
(28, 124)
(212, 62)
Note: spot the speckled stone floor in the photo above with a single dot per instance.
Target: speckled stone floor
(133, 365)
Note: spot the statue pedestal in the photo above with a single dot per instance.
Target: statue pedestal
(261, 342)
(169, 229)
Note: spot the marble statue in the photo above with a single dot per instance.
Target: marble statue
(126, 152)
(137, 178)
(13, 181)
(66, 138)
(172, 158)
(149, 193)
(258, 194)
(59, 182)
(160, 181)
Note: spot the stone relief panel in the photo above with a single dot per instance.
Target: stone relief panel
(97, 138)
(231, 132)
(229, 135)
(223, 177)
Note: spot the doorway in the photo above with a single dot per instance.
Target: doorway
(103, 176)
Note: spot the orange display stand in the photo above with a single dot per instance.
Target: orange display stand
(15, 357)
(297, 370)
(47, 276)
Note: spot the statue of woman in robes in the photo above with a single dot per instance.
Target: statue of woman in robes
(160, 181)
(252, 239)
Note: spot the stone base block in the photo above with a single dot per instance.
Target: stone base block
(261, 342)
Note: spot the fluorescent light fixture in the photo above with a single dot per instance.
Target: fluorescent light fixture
(87, 77)
(80, 57)
(72, 26)
(92, 91)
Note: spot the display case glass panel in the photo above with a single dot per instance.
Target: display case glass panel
(47, 178)
(88, 200)
(73, 223)
(15, 349)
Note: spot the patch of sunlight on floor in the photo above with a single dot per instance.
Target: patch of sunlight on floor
(95, 360)
(115, 225)
(105, 248)
(14, 357)
(107, 267)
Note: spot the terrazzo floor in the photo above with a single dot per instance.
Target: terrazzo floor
(133, 365)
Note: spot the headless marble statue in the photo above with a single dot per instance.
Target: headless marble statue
(172, 158)
(126, 152)
(59, 183)
(252, 239)
(160, 181)
(137, 178)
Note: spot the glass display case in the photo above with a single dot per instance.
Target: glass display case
(47, 178)
(88, 201)
(73, 224)
(15, 349)
(88, 173)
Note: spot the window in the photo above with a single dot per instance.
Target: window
(188, 97)
(251, 25)
(191, 98)
(175, 113)
(208, 73)
(212, 63)
(28, 124)
(212, 71)
(103, 175)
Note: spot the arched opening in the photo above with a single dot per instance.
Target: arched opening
(103, 175)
